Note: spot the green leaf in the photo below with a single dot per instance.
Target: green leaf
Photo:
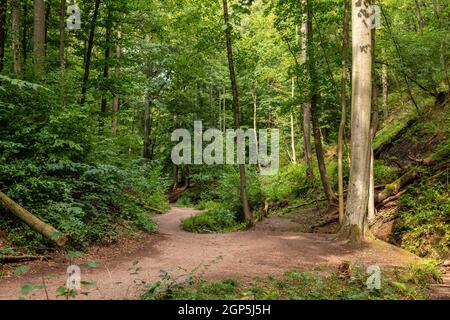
(88, 283)
(22, 269)
(74, 254)
(91, 264)
(27, 288)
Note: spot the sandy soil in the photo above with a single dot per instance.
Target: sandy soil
(271, 248)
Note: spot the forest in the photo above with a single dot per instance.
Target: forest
(116, 181)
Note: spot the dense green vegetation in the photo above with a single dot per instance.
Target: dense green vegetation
(87, 118)
(409, 283)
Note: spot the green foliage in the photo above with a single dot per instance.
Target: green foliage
(184, 202)
(297, 285)
(423, 225)
(289, 183)
(213, 220)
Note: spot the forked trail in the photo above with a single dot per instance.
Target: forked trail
(244, 255)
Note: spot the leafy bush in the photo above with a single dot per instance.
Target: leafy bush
(49, 164)
(215, 220)
(423, 225)
(184, 202)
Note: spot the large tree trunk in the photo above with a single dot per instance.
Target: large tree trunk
(107, 57)
(62, 28)
(116, 101)
(345, 45)
(236, 113)
(39, 36)
(32, 221)
(90, 46)
(3, 8)
(374, 128)
(306, 106)
(15, 22)
(358, 193)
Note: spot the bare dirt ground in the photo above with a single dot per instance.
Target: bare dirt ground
(271, 248)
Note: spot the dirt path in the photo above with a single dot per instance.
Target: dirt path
(268, 249)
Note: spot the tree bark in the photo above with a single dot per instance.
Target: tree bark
(255, 124)
(62, 28)
(15, 21)
(3, 8)
(25, 31)
(294, 152)
(419, 16)
(345, 45)
(146, 132)
(116, 101)
(374, 128)
(39, 36)
(306, 106)
(385, 83)
(314, 96)
(90, 46)
(32, 221)
(107, 57)
(236, 113)
(355, 219)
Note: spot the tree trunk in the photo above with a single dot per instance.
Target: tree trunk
(175, 177)
(146, 132)
(90, 46)
(306, 106)
(255, 125)
(62, 28)
(116, 101)
(294, 152)
(107, 57)
(25, 32)
(315, 113)
(15, 21)
(3, 9)
(48, 10)
(32, 221)
(39, 36)
(345, 45)
(385, 80)
(419, 16)
(236, 113)
(355, 219)
(374, 128)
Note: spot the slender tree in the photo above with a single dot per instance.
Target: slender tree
(306, 105)
(3, 8)
(345, 45)
(116, 101)
(90, 46)
(39, 36)
(385, 83)
(15, 22)
(314, 100)
(107, 56)
(355, 219)
(236, 113)
(62, 28)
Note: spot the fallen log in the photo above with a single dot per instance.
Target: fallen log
(16, 259)
(395, 187)
(32, 221)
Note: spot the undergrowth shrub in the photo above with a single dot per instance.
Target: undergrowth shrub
(214, 220)
(423, 225)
